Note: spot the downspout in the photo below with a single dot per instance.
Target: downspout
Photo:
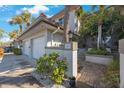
(53, 34)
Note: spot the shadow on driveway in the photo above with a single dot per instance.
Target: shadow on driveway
(15, 71)
(23, 81)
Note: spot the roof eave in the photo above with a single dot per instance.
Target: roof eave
(37, 22)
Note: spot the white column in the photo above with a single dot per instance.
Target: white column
(121, 50)
(71, 55)
(122, 70)
(74, 63)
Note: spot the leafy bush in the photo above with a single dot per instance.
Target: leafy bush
(45, 63)
(17, 51)
(52, 66)
(112, 75)
(1, 52)
(98, 51)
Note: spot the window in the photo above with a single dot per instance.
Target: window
(61, 21)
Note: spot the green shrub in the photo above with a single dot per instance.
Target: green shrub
(95, 51)
(112, 76)
(17, 51)
(52, 66)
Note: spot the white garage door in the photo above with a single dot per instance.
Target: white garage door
(38, 47)
(26, 48)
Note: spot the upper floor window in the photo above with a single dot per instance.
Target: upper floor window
(61, 21)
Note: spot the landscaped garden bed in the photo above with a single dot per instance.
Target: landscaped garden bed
(100, 56)
(50, 71)
(112, 74)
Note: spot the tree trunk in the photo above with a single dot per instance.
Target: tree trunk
(28, 23)
(99, 39)
(66, 26)
(20, 26)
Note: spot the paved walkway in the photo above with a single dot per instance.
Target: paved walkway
(91, 75)
(15, 71)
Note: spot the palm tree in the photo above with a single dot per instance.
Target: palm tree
(26, 16)
(17, 20)
(33, 19)
(13, 34)
(80, 13)
(100, 15)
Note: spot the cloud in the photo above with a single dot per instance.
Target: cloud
(18, 12)
(8, 20)
(5, 39)
(1, 6)
(35, 9)
(49, 16)
(38, 8)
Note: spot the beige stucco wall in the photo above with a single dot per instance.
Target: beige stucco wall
(45, 33)
(56, 40)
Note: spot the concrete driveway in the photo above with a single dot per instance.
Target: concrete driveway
(15, 71)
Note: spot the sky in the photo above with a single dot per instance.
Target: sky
(9, 11)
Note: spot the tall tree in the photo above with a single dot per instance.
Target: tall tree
(13, 34)
(93, 23)
(26, 16)
(17, 20)
(101, 16)
(33, 19)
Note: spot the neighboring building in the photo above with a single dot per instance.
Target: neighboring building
(73, 22)
(119, 7)
(122, 10)
(46, 32)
